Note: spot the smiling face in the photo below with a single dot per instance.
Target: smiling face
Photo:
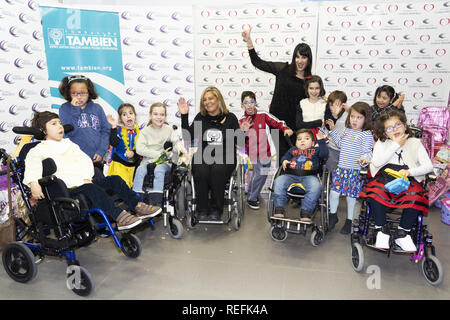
(394, 128)
(382, 100)
(304, 141)
(314, 91)
(79, 94)
(300, 62)
(158, 116)
(211, 104)
(249, 105)
(54, 130)
(128, 118)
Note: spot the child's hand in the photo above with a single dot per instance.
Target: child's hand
(319, 135)
(363, 161)
(346, 107)
(97, 158)
(36, 190)
(285, 163)
(404, 172)
(87, 181)
(400, 140)
(129, 154)
(246, 124)
(398, 103)
(183, 107)
(330, 123)
(111, 121)
(288, 132)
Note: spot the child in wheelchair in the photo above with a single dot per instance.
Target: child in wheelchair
(76, 170)
(301, 163)
(398, 150)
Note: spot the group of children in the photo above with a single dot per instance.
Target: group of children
(327, 129)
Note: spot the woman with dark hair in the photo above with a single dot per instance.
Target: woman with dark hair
(289, 85)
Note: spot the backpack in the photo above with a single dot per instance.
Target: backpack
(437, 121)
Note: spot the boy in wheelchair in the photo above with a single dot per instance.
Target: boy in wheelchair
(301, 163)
(76, 170)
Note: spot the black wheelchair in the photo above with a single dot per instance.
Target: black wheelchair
(58, 225)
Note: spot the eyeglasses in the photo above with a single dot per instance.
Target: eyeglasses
(81, 94)
(394, 127)
(247, 103)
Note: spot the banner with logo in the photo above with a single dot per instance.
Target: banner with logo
(402, 44)
(84, 42)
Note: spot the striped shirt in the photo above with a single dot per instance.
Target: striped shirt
(354, 144)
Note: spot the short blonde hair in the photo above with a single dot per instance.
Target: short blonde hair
(216, 92)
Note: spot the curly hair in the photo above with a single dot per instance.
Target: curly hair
(379, 124)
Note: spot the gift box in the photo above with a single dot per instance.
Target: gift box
(397, 186)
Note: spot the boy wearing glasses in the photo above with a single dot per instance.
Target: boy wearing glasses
(256, 124)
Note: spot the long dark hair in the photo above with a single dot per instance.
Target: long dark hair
(385, 88)
(303, 50)
(379, 124)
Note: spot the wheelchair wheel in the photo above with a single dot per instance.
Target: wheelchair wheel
(357, 257)
(236, 222)
(131, 245)
(278, 234)
(175, 228)
(83, 285)
(316, 238)
(432, 270)
(18, 261)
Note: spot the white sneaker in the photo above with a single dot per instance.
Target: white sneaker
(382, 241)
(406, 244)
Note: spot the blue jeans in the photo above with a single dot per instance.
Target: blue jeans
(311, 184)
(158, 181)
(258, 179)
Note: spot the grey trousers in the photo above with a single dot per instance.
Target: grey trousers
(258, 179)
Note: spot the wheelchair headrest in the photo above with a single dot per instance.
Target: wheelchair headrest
(37, 133)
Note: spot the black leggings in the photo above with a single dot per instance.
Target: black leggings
(409, 216)
(212, 178)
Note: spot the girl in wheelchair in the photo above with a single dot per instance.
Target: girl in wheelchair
(76, 170)
(300, 164)
(398, 150)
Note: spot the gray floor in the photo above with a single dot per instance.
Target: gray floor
(216, 262)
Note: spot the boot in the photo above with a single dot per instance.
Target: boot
(333, 220)
(347, 228)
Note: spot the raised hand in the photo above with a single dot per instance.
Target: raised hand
(246, 35)
(112, 121)
(288, 132)
(183, 106)
(400, 140)
(330, 123)
(246, 124)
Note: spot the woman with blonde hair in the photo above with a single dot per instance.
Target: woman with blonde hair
(215, 129)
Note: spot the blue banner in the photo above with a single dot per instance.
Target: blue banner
(84, 42)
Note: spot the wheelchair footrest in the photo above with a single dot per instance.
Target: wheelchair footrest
(291, 220)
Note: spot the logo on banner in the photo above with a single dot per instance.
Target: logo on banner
(55, 36)
(291, 12)
(441, 52)
(361, 9)
(405, 52)
(428, 7)
(331, 9)
(371, 81)
(392, 8)
(418, 95)
(444, 21)
(437, 81)
(421, 67)
(402, 81)
(374, 53)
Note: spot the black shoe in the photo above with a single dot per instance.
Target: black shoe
(215, 215)
(347, 228)
(305, 215)
(279, 212)
(333, 220)
(253, 204)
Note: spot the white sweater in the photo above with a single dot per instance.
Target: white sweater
(150, 143)
(72, 164)
(413, 154)
(312, 111)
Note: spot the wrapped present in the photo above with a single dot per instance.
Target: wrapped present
(446, 211)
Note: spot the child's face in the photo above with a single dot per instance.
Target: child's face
(128, 118)
(249, 105)
(54, 130)
(79, 94)
(394, 128)
(356, 120)
(382, 100)
(336, 107)
(304, 141)
(314, 90)
(158, 117)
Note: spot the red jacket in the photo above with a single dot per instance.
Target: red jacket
(257, 143)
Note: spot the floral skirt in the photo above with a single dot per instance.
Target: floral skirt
(346, 182)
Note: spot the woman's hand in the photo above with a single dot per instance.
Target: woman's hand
(183, 107)
(36, 190)
(247, 38)
(112, 121)
(285, 163)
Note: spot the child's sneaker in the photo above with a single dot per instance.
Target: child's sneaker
(333, 220)
(404, 241)
(147, 211)
(279, 212)
(127, 221)
(305, 215)
(382, 241)
(253, 204)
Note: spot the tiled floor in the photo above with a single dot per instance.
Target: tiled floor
(216, 262)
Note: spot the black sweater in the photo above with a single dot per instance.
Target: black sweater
(288, 91)
(217, 139)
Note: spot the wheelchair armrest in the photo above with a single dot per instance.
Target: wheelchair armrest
(72, 202)
(45, 181)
